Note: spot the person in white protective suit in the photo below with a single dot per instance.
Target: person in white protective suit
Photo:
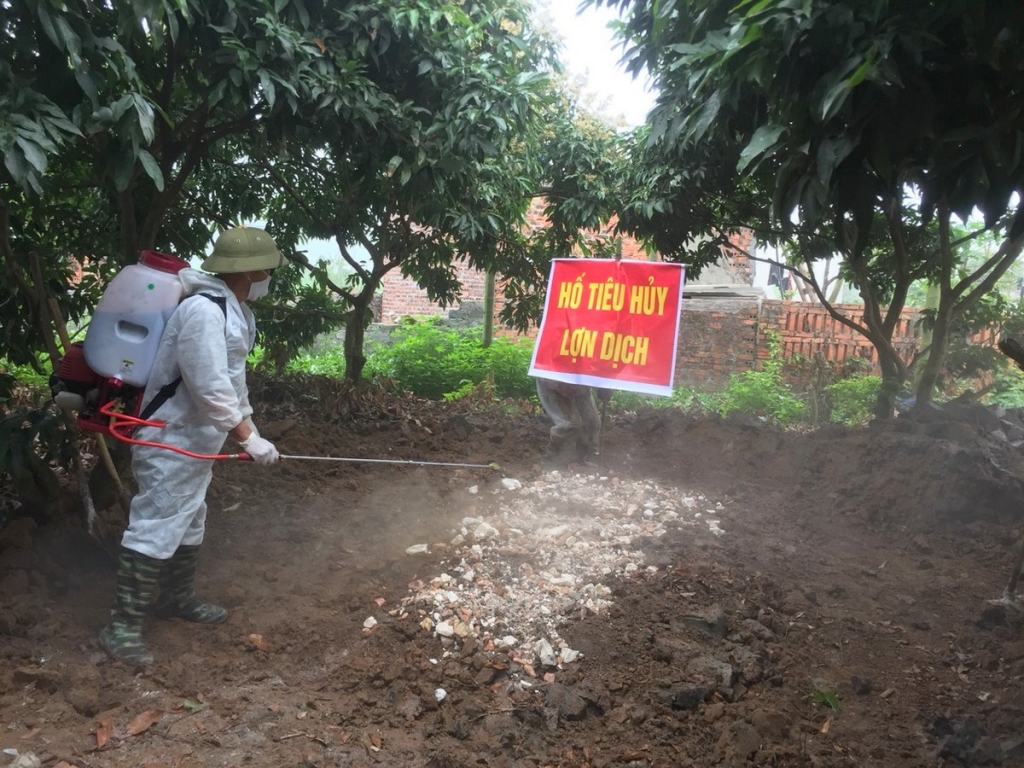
(197, 386)
(576, 421)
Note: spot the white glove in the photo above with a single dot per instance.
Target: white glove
(252, 427)
(261, 450)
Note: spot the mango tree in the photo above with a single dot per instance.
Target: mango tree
(834, 122)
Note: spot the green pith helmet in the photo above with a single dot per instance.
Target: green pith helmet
(243, 249)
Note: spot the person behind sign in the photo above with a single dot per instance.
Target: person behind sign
(577, 424)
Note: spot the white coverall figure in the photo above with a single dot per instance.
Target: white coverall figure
(205, 343)
(576, 420)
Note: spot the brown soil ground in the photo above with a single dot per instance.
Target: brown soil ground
(841, 619)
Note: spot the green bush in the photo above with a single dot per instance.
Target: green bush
(684, 398)
(26, 376)
(852, 401)
(431, 361)
(319, 362)
(1008, 388)
(763, 393)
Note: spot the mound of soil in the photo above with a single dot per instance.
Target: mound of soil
(714, 593)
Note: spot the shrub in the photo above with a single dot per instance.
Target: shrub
(684, 398)
(328, 362)
(763, 393)
(25, 376)
(852, 401)
(1008, 388)
(431, 361)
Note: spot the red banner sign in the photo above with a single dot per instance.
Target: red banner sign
(610, 323)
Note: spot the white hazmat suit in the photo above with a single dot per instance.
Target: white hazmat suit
(576, 420)
(197, 387)
(207, 347)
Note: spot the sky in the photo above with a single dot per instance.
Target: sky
(591, 56)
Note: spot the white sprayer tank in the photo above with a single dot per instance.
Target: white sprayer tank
(129, 320)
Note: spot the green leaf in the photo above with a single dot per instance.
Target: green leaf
(46, 22)
(16, 164)
(826, 698)
(860, 73)
(146, 118)
(834, 99)
(85, 82)
(121, 106)
(269, 92)
(764, 138)
(152, 169)
(831, 153)
(707, 115)
(300, 8)
(191, 706)
(33, 154)
(124, 168)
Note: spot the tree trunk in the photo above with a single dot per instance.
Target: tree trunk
(936, 357)
(355, 335)
(892, 379)
(489, 308)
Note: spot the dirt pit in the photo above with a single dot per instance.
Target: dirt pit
(714, 593)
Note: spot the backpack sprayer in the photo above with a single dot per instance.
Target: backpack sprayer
(103, 377)
(111, 366)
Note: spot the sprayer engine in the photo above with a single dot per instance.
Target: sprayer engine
(76, 387)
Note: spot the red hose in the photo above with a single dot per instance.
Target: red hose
(119, 421)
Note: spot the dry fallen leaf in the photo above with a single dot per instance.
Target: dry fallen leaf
(64, 764)
(143, 720)
(376, 740)
(826, 726)
(103, 732)
(259, 643)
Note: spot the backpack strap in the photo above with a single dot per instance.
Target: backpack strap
(167, 390)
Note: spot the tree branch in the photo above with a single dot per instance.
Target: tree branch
(296, 312)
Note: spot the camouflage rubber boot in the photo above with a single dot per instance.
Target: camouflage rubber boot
(554, 447)
(178, 591)
(585, 455)
(137, 577)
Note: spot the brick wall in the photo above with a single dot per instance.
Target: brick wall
(400, 296)
(718, 337)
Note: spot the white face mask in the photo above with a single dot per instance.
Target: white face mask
(259, 289)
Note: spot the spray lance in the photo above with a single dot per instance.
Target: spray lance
(122, 425)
